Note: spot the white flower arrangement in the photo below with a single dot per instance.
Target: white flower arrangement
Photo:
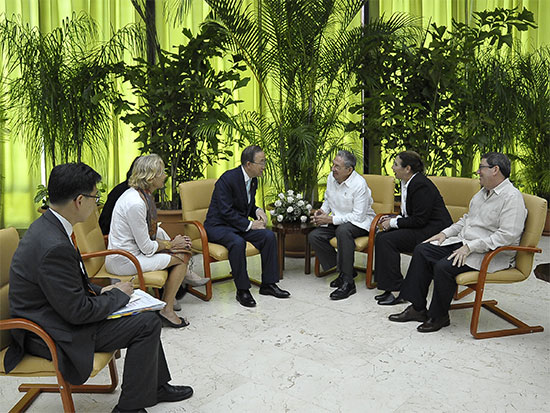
(290, 207)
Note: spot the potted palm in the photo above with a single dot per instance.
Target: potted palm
(184, 109)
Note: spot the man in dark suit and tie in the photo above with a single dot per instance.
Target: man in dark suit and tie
(49, 285)
(423, 214)
(227, 223)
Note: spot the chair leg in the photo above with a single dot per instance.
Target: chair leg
(65, 390)
(369, 272)
(461, 294)
(208, 274)
(318, 272)
(491, 305)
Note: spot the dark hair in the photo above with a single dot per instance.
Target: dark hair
(348, 158)
(69, 180)
(500, 160)
(412, 159)
(249, 153)
(129, 173)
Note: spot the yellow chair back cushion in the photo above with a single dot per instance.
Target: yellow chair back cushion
(9, 240)
(457, 193)
(89, 238)
(382, 190)
(195, 199)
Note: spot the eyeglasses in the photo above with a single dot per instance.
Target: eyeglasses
(97, 197)
(262, 163)
(486, 166)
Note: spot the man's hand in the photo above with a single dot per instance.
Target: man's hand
(260, 213)
(439, 238)
(258, 224)
(126, 287)
(459, 256)
(384, 222)
(321, 218)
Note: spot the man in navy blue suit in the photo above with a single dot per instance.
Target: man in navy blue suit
(227, 223)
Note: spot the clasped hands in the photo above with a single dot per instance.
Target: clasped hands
(261, 222)
(384, 222)
(320, 217)
(458, 256)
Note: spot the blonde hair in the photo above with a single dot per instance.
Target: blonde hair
(145, 170)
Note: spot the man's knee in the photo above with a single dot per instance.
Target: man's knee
(344, 232)
(314, 237)
(150, 322)
(382, 239)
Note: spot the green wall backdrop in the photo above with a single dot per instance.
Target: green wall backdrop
(19, 181)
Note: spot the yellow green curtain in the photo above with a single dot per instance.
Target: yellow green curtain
(18, 181)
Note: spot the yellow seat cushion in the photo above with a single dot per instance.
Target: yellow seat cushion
(510, 275)
(32, 366)
(360, 243)
(219, 252)
(153, 279)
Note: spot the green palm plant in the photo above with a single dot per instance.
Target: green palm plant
(300, 54)
(61, 87)
(533, 74)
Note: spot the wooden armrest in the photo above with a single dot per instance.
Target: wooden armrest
(204, 236)
(491, 254)
(28, 325)
(127, 254)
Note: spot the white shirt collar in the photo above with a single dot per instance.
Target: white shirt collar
(246, 177)
(66, 224)
(406, 184)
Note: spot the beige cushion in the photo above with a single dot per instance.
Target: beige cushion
(219, 252)
(456, 193)
(360, 243)
(153, 279)
(195, 199)
(382, 190)
(32, 366)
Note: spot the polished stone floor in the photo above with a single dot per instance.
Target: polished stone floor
(311, 354)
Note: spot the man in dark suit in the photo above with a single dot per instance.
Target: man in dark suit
(49, 285)
(423, 214)
(227, 223)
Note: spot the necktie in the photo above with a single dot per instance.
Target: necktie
(248, 189)
(82, 268)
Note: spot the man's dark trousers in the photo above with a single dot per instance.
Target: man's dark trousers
(235, 241)
(344, 258)
(430, 262)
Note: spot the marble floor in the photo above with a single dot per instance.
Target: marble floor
(311, 354)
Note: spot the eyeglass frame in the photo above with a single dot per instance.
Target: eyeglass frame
(96, 196)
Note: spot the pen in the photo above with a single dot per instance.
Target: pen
(132, 279)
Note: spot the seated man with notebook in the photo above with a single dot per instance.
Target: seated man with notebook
(49, 285)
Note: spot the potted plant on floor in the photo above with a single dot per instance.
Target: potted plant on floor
(184, 111)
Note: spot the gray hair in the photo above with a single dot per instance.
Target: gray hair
(500, 160)
(348, 158)
(145, 170)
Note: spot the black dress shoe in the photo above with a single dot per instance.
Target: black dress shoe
(245, 298)
(117, 409)
(274, 290)
(168, 323)
(347, 289)
(434, 324)
(409, 314)
(169, 393)
(338, 281)
(383, 296)
(391, 300)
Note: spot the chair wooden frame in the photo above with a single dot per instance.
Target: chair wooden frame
(491, 305)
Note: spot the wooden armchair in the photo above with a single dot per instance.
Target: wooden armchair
(32, 366)
(91, 244)
(195, 200)
(477, 280)
(382, 191)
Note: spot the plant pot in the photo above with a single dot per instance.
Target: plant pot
(171, 221)
(546, 230)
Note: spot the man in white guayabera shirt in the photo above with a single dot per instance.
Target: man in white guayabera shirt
(496, 218)
(345, 214)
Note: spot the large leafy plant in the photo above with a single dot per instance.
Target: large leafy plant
(185, 105)
(299, 53)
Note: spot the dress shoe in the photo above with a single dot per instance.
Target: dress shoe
(344, 291)
(383, 296)
(337, 282)
(117, 409)
(194, 280)
(391, 300)
(245, 298)
(274, 290)
(410, 314)
(169, 393)
(434, 324)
